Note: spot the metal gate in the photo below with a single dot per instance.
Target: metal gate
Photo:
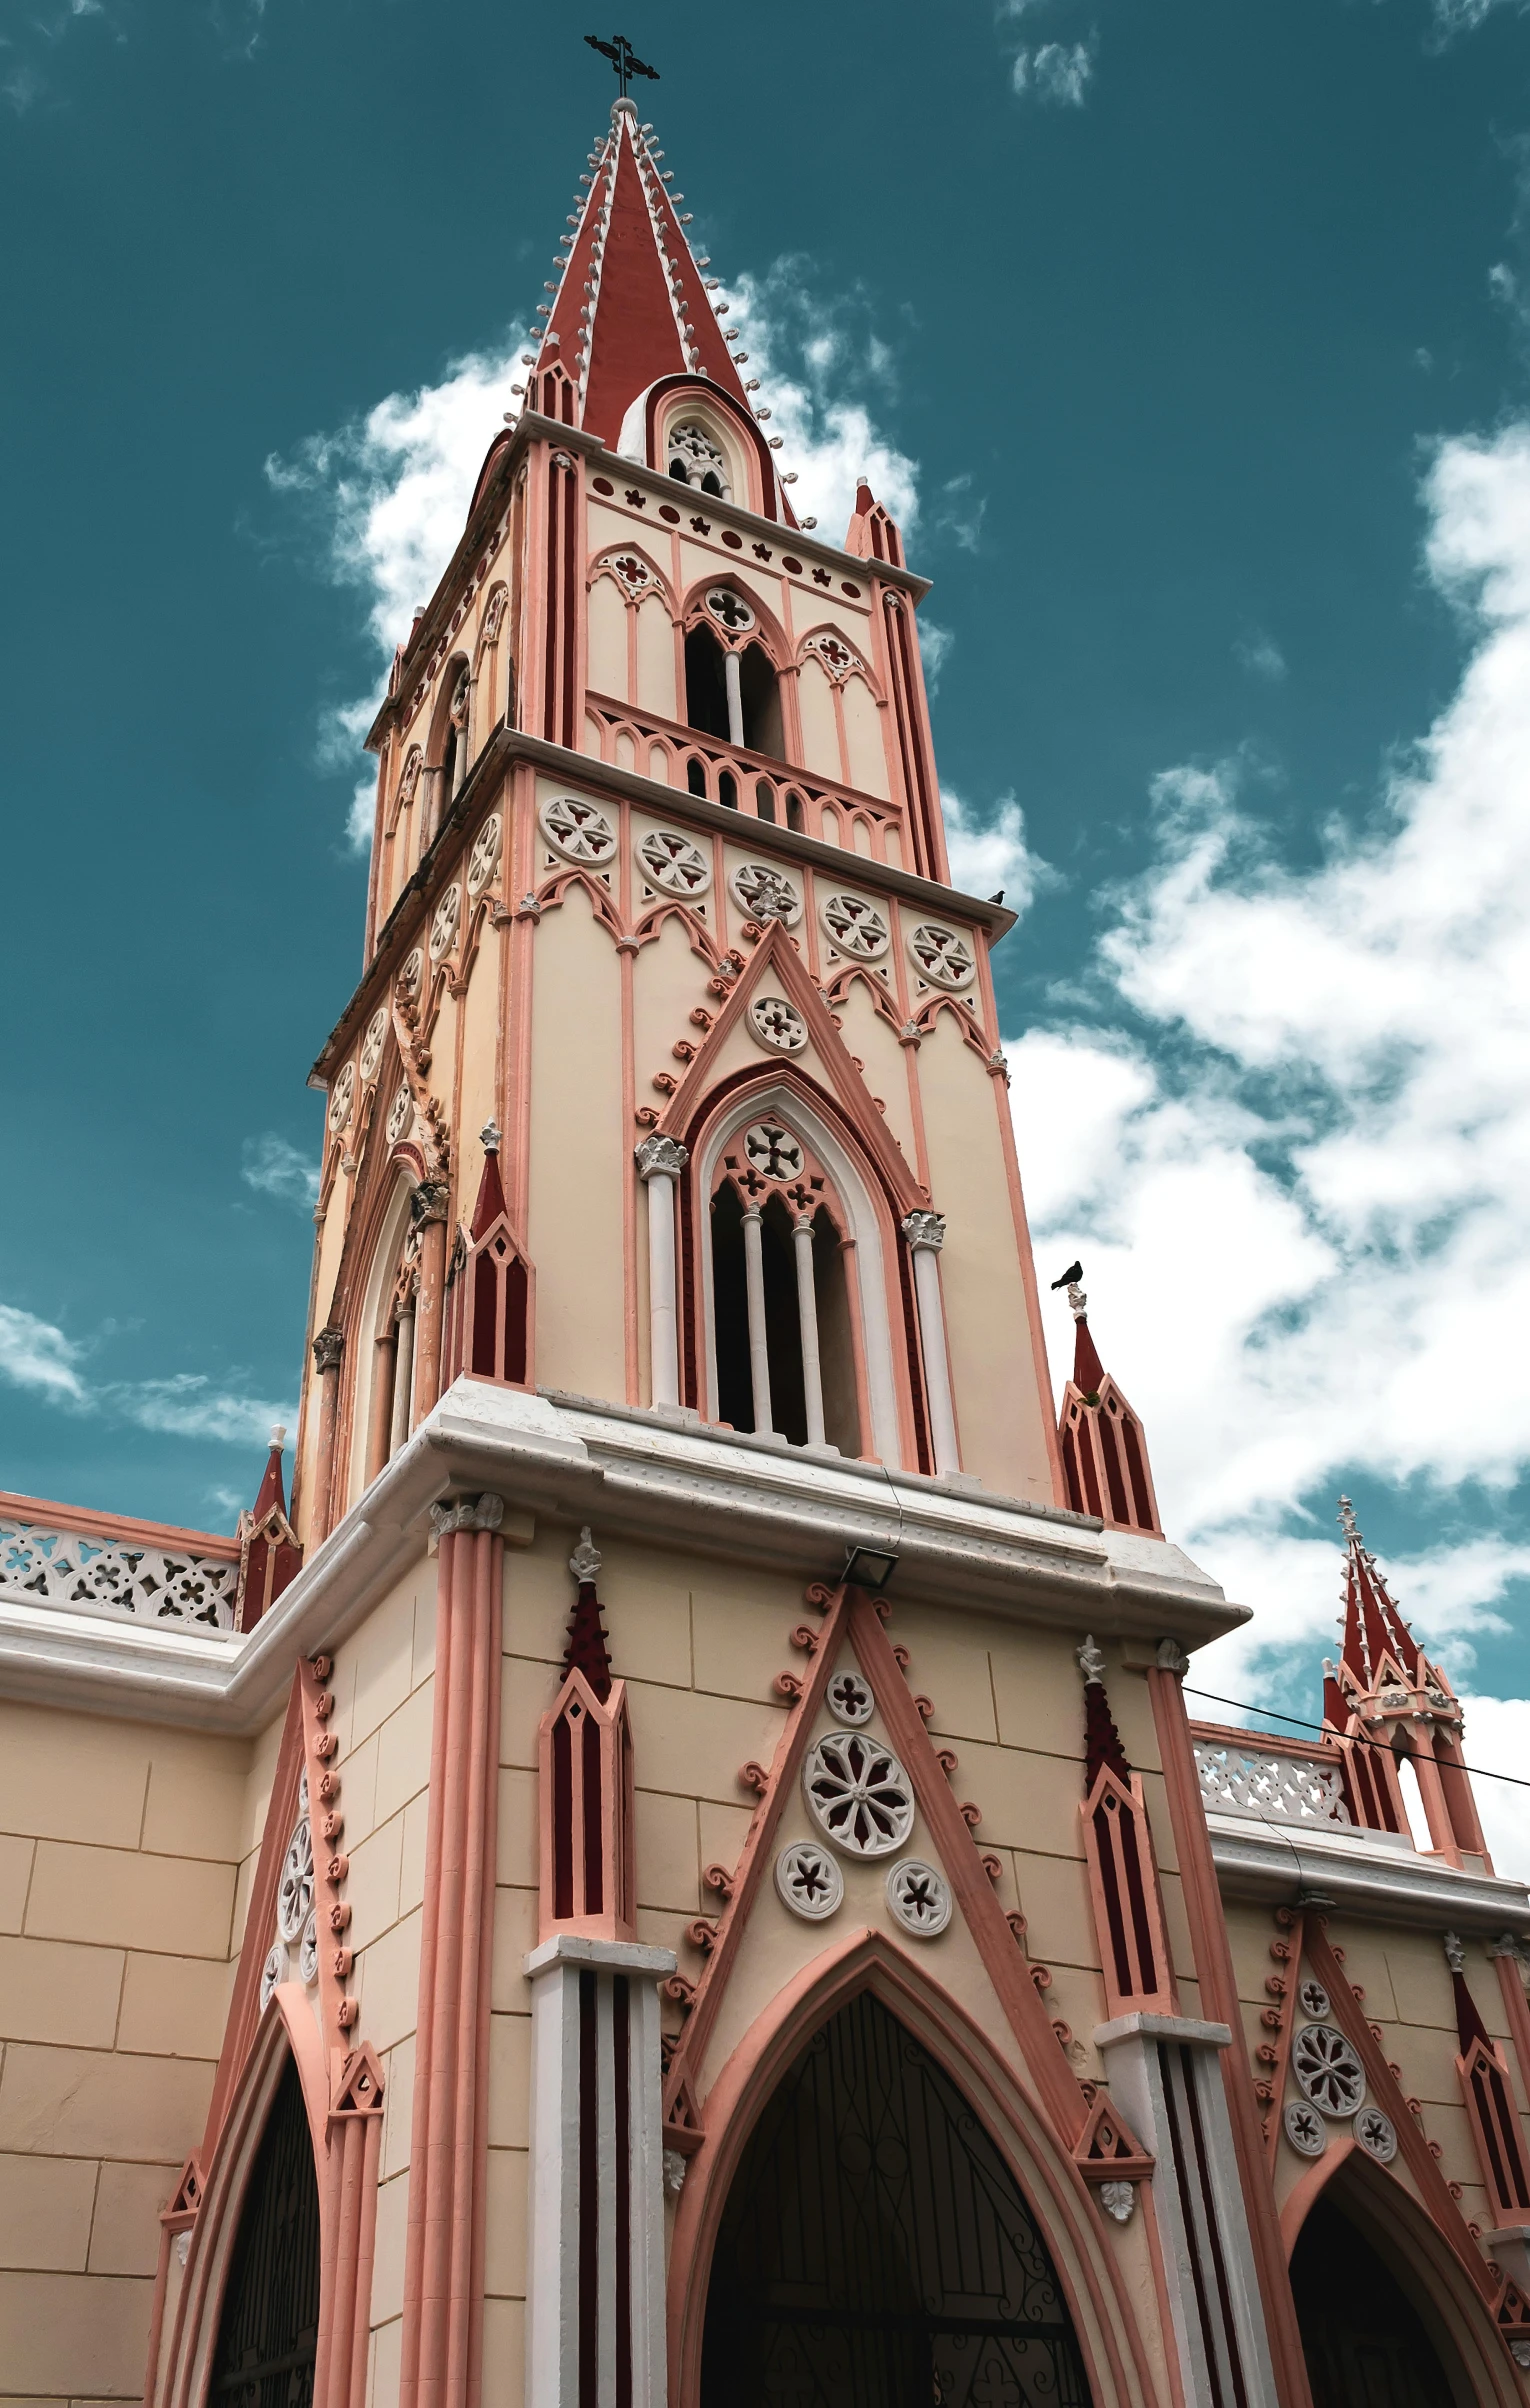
(875, 2252)
(269, 2326)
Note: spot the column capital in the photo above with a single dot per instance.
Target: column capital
(429, 1202)
(925, 1230)
(660, 1157)
(484, 1512)
(328, 1348)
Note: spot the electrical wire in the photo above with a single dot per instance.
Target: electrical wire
(1360, 1738)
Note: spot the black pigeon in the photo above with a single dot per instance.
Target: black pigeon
(1074, 1271)
(998, 898)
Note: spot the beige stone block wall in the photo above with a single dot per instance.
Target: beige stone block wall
(120, 1852)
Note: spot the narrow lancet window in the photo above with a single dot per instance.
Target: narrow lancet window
(782, 1317)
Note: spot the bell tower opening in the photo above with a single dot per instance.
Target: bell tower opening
(875, 2251)
(706, 692)
(268, 2330)
(782, 1321)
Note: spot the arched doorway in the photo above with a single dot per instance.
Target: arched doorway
(1365, 2343)
(875, 2251)
(269, 2325)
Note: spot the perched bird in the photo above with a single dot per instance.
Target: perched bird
(1073, 1272)
(998, 898)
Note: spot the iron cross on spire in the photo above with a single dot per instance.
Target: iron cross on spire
(623, 58)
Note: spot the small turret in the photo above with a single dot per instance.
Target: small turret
(1104, 1453)
(270, 1556)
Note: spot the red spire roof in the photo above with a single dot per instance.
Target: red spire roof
(1373, 1627)
(630, 305)
(585, 1649)
(271, 1490)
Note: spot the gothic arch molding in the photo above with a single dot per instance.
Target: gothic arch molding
(287, 2032)
(1407, 2240)
(1103, 2312)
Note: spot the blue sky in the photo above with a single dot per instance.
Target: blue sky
(1191, 344)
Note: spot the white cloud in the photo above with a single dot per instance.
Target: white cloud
(33, 1354)
(1494, 1742)
(1057, 72)
(189, 1406)
(935, 647)
(989, 853)
(273, 1167)
(1295, 1157)
(362, 816)
(1261, 656)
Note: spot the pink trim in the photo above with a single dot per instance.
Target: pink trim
(443, 2266)
(1037, 1332)
(49, 1516)
(1308, 2186)
(259, 1922)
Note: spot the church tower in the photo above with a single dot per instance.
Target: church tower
(661, 947)
(676, 1874)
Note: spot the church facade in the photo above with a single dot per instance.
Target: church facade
(676, 1867)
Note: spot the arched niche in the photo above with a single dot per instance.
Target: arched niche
(876, 2247)
(267, 2339)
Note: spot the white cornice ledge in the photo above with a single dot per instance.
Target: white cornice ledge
(652, 1476)
(1374, 1881)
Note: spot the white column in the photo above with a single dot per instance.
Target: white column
(403, 1381)
(807, 1317)
(735, 698)
(1164, 2071)
(926, 1234)
(558, 2213)
(759, 1350)
(660, 1161)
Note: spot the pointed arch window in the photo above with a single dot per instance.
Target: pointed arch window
(782, 1305)
(731, 685)
(696, 460)
(269, 2328)
(396, 1286)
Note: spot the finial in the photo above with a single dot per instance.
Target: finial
(1078, 1302)
(584, 1563)
(278, 1433)
(1347, 1519)
(1455, 1953)
(490, 1138)
(1091, 1663)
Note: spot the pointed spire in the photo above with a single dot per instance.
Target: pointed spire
(270, 1556)
(1373, 1627)
(629, 305)
(491, 1192)
(586, 1650)
(1088, 1370)
(271, 1492)
(1469, 2024)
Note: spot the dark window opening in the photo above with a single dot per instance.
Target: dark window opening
(795, 815)
(1362, 2336)
(706, 692)
(783, 1323)
(695, 776)
(730, 1311)
(875, 2251)
(764, 799)
(836, 1340)
(268, 2330)
(727, 789)
(677, 469)
(762, 702)
(710, 484)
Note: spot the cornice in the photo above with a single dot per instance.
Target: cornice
(1267, 1863)
(532, 427)
(506, 745)
(652, 1478)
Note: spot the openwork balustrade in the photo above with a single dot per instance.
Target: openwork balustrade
(1280, 1787)
(44, 1563)
(743, 781)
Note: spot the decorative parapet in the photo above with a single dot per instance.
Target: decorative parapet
(1279, 1786)
(141, 1572)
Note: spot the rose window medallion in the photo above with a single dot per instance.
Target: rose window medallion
(372, 1046)
(483, 861)
(773, 1151)
(400, 1115)
(809, 1881)
(1305, 2129)
(919, 1897)
(274, 1970)
(765, 894)
(294, 1896)
(850, 1699)
(443, 928)
(1377, 2135)
(1328, 2070)
(411, 973)
(941, 956)
(577, 830)
(858, 1794)
(778, 1024)
(855, 927)
(342, 1098)
(672, 863)
(1314, 1999)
